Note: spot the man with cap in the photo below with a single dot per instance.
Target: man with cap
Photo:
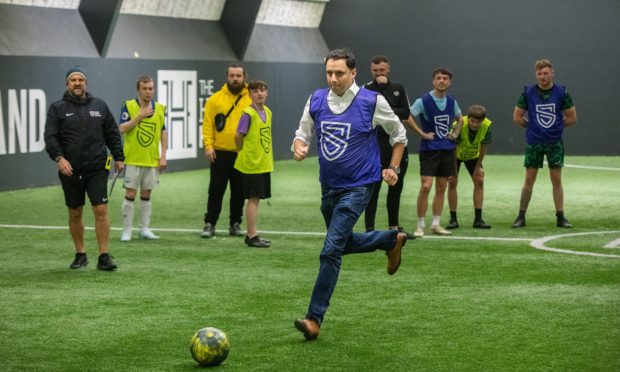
(78, 130)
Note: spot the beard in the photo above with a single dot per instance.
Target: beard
(235, 89)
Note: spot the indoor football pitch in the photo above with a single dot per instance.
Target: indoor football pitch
(538, 298)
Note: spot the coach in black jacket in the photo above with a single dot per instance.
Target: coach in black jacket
(78, 130)
(396, 96)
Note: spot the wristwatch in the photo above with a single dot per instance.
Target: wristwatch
(395, 168)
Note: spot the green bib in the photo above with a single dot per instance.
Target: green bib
(466, 149)
(256, 155)
(141, 145)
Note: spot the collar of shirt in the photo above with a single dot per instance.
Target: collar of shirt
(339, 104)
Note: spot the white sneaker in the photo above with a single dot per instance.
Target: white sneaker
(147, 234)
(438, 230)
(126, 235)
(419, 232)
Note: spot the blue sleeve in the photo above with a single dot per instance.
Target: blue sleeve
(457, 109)
(417, 108)
(124, 115)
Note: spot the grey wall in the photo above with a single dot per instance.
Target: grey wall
(491, 46)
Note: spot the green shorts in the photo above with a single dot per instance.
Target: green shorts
(535, 154)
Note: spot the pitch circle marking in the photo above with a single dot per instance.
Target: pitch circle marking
(540, 244)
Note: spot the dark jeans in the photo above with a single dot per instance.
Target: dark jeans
(341, 209)
(393, 195)
(223, 171)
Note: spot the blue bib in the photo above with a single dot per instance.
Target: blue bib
(439, 122)
(545, 117)
(347, 142)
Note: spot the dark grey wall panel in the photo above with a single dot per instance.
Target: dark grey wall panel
(100, 19)
(237, 20)
(28, 85)
(36, 31)
(286, 44)
(491, 47)
(168, 38)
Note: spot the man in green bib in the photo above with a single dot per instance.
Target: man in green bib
(143, 125)
(474, 137)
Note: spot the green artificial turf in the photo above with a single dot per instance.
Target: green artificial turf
(465, 303)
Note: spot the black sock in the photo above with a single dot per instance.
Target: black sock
(478, 212)
(559, 215)
(80, 254)
(452, 216)
(521, 213)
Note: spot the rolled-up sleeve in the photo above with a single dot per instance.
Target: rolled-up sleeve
(385, 117)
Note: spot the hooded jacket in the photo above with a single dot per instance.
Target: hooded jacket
(219, 103)
(79, 129)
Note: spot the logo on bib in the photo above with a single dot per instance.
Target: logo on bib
(545, 115)
(334, 136)
(265, 139)
(442, 125)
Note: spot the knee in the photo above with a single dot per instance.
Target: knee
(130, 194)
(75, 214)
(101, 212)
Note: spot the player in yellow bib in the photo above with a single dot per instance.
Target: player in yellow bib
(255, 158)
(474, 137)
(143, 125)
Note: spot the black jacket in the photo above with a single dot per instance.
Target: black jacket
(80, 129)
(396, 97)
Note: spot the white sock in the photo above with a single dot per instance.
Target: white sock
(436, 220)
(145, 214)
(421, 222)
(127, 213)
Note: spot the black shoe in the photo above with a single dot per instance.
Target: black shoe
(402, 230)
(106, 263)
(453, 224)
(264, 240)
(208, 231)
(79, 261)
(519, 222)
(235, 229)
(564, 223)
(480, 224)
(256, 242)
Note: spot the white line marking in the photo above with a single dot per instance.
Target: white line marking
(540, 244)
(591, 167)
(613, 244)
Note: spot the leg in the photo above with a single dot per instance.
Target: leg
(341, 209)
(528, 188)
(76, 228)
(102, 227)
(394, 193)
(426, 182)
(371, 209)
(478, 180)
(217, 187)
(236, 196)
(555, 174)
(127, 209)
(146, 208)
(440, 194)
(251, 213)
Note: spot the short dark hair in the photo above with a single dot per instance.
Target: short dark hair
(342, 53)
(477, 112)
(443, 71)
(143, 79)
(380, 58)
(235, 65)
(257, 84)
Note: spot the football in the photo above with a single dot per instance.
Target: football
(209, 346)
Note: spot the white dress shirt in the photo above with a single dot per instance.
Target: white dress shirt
(383, 116)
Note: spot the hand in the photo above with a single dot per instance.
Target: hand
(382, 79)
(64, 167)
(428, 136)
(389, 176)
(210, 155)
(163, 164)
(146, 111)
(301, 151)
(119, 165)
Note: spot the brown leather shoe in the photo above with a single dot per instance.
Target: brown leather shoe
(309, 327)
(394, 253)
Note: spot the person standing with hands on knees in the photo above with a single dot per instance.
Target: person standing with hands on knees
(143, 125)
(475, 135)
(78, 131)
(344, 118)
(544, 110)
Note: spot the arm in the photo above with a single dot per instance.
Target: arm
(477, 168)
(518, 117)
(385, 117)
(456, 129)
(133, 122)
(389, 175)
(303, 134)
(208, 129)
(113, 140)
(163, 162)
(570, 117)
(52, 143)
(411, 123)
(239, 141)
